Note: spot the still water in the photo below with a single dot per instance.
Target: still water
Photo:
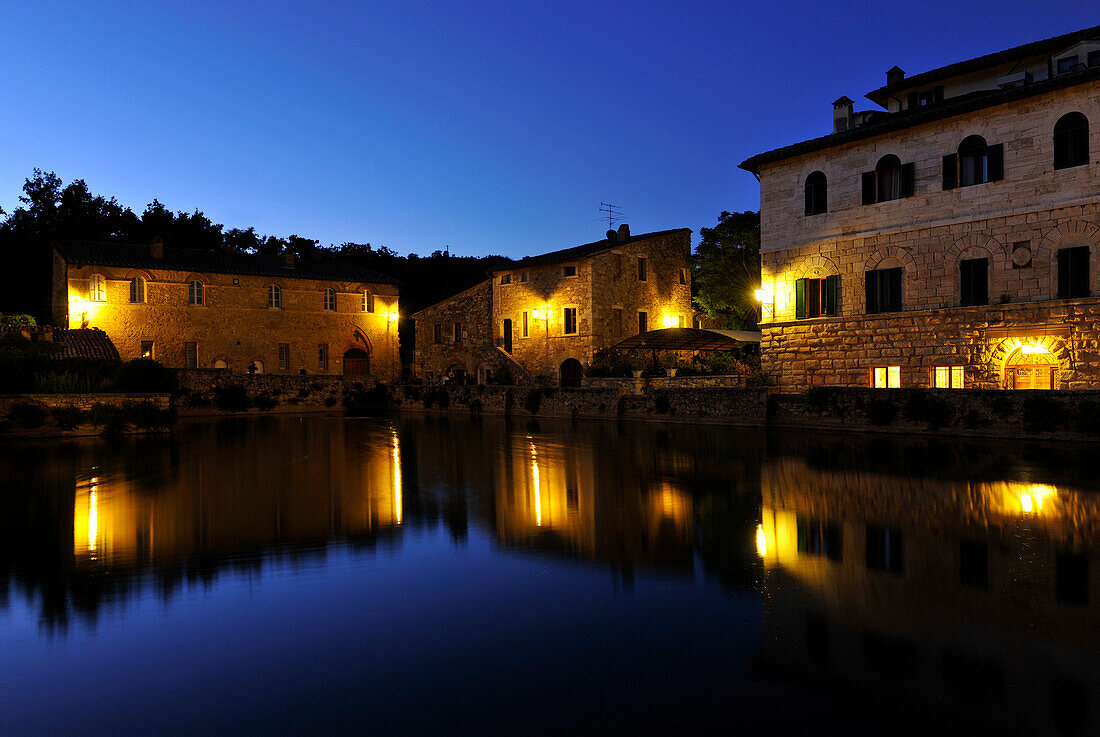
(428, 574)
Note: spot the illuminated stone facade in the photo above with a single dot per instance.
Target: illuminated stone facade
(550, 313)
(976, 227)
(198, 309)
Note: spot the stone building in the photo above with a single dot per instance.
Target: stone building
(544, 316)
(191, 308)
(949, 239)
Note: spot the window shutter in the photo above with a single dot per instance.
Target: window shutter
(1064, 265)
(913, 99)
(950, 171)
(1081, 271)
(981, 282)
(800, 299)
(966, 283)
(908, 178)
(832, 294)
(937, 94)
(868, 188)
(996, 155)
(871, 291)
(895, 289)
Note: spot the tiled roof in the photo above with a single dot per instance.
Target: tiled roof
(1035, 48)
(884, 122)
(576, 252)
(85, 343)
(216, 262)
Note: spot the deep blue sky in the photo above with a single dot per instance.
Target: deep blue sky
(492, 127)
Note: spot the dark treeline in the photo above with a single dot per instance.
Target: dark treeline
(51, 210)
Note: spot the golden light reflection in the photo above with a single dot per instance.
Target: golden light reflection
(93, 519)
(398, 501)
(777, 538)
(761, 541)
(535, 484)
(1017, 498)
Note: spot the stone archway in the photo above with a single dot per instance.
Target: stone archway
(1031, 363)
(571, 373)
(356, 362)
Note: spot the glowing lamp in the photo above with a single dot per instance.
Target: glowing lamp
(536, 313)
(393, 316)
(1032, 349)
(669, 321)
(762, 295)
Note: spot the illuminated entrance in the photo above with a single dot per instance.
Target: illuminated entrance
(1031, 366)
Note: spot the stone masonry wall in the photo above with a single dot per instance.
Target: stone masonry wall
(474, 351)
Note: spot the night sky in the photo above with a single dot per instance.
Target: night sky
(491, 127)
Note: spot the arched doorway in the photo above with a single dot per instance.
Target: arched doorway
(1031, 366)
(256, 367)
(356, 362)
(220, 364)
(571, 372)
(457, 374)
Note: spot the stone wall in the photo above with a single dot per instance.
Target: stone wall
(199, 391)
(235, 324)
(643, 384)
(82, 401)
(473, 352)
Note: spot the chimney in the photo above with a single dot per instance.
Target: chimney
(624, 232)
(288, 259)
(612, 236)
(894, 75)
(156, 249)
(842, 114)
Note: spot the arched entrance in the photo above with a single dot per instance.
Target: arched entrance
(457, 373)
(356, 362)
(1031, 366)
(571, 372)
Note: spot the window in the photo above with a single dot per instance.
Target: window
(683, 276)
(1094, 59)
(816, 297)
(437, 336)
(190, 355)
(284, 356)
(1067, 63)
(927, 98)
(884, 290)
(570, 270)
(820, 538)
(974, 282)
(322, 357)
(947, 377)
(680, 321)
(457, 332)
(617, 322)
(884, 549)
(523, 277)
(368, 302)
(1071, 141)
(886, 377)
(274, 296)
(505, 279)
(891, 180)
(974, 563)
(569, 326)
(642, 275)
(146, 349)
(974, 163)
(1073, 272)
(643, 322)
(526, 330)
(696, 322)
(137, 290)
(197, 293)
(97, 288)
(817, 194)
(330, 300)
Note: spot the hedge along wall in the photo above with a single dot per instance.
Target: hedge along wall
(649, 383)
(81, 401)
(200, 390)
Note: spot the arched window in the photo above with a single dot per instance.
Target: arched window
(197, 293)
(888, 174)
(817, 197)
(97, 288)
(274, 296)
(975, 162)
(137, 290)
(330, 300)
(368, 302)
(1071, 141)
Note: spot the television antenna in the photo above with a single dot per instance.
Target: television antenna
(614, 214)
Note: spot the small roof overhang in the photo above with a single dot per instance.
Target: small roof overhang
(688, 339)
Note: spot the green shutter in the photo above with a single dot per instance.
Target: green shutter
(800, 299)
(832, 294)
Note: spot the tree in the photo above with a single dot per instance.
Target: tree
(726, 270)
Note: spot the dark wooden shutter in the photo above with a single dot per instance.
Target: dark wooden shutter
(966, 283)
(996, 155)
(908, 177)
(800, 299)
(1081, 271)
(913, 100)
(832, 294)
(871, 284)
(981, 281)
(1065, 264)
(950, 171)
(895, 277)
(937, 94)
(868, 188)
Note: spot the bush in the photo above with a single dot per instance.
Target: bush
(231, 398)
(69, 418)
(146, 376)
(265, 402)
(28, 415)
(882, 412)
(198, 400)
(610, 362)
(1042, 413)
(533, 401)
(330, 400)
(18, 320)
(62, 383)
(373, 401)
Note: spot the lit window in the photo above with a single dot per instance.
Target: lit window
(190, 355)
(681, 321)
(368, 302)
(525, 328)
(816, 297)
(274, 296)
(886, 377)
(146, 349)
(197, 293)
(570, 323)
(947, 377)
(97, 288)
(137, 290)
(569, 270)
(284, 356)
(330, 300)
(322, 357)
